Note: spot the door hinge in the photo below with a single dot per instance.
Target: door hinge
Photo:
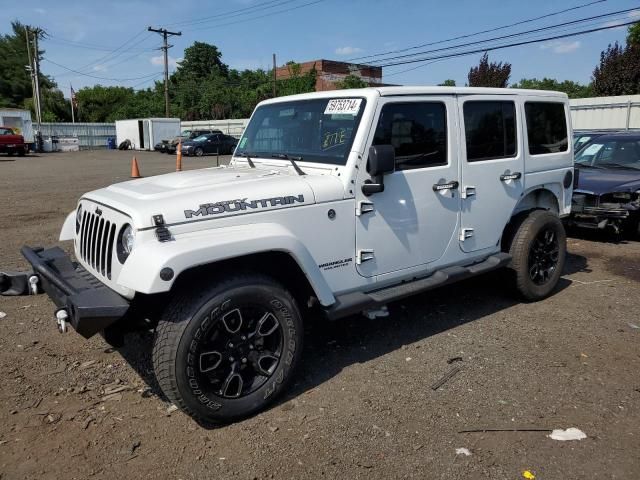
(465, 233)
(364, 255)
(468, 191)
(364, 207)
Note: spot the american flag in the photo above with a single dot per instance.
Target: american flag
(74, 99)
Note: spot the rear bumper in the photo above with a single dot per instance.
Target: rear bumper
(91, 305)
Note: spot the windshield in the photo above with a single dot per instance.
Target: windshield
(201, 138)
(619, 152)
(320, 131)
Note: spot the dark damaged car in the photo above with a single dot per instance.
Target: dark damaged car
(608, 184)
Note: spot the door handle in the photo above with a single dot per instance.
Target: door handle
(438, 187)
(505, 177)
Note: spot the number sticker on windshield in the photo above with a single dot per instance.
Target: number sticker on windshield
(343, 106)
(593, 149)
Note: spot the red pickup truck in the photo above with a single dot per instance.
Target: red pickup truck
(11, 143)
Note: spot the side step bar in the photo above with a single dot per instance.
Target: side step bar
(353, 303)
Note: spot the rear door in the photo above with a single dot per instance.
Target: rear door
(492, 167)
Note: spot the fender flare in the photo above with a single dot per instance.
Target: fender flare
(141, 271)
(68, 230)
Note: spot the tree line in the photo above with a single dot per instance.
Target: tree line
(203, 87)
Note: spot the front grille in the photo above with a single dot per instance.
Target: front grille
(96, 242)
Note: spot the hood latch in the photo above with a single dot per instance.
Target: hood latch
(162, 232)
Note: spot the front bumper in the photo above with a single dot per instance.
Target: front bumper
(90, 305)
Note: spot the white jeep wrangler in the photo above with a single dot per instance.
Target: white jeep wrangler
(340, 201)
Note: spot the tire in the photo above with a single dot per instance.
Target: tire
(22, 152)
(198, 152)
(538, 249)
(10, 153)
(195, 363)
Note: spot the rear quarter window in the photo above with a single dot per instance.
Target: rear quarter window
(546, 127)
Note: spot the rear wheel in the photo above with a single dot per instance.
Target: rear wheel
(538, 251)
(226, 352)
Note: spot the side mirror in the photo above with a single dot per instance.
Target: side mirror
(382, 160)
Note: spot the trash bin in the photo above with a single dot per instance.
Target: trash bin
(111, 143)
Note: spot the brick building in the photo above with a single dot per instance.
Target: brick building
(330, 71)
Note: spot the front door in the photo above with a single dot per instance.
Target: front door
(492, 168)
(413, 220)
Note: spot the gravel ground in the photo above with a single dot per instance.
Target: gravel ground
(363, 404)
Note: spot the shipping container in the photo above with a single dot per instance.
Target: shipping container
(19, 120)
(144, 133)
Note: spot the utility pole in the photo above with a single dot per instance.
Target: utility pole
(30, 70)
(165, 35)
(274, 76)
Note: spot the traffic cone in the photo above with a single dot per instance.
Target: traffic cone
(135, 172)
(179, 157)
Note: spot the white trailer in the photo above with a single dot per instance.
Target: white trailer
(144, 133)
(19, 120)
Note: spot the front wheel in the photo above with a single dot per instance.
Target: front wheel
(538, 250)
(198, 152)
(226, 352)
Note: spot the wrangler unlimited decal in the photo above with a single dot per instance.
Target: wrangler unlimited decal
(241, 204)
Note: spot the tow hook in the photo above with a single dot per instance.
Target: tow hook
(33, 284)
(61, 319)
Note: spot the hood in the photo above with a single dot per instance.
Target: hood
(216, 193)
(186, 143)
(606, 180)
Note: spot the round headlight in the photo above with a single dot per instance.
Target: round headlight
(126, 241)
(78, 218)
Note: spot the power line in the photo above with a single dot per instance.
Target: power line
(494, 29)
(114, 53)
(516, 44)
(87, 46)
(234, 13)
(97, 77)
(259, 17)
(512, 35)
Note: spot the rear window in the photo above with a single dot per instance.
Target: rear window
(546, 127)
(490, 130)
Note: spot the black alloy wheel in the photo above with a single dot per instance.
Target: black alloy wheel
(543, 256)
(241, 351)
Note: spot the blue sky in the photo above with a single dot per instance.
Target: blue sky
(83, 35)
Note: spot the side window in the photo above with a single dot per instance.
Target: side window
(546, 127)
(417, 131)
(490, 130)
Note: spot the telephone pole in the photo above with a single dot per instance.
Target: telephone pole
(165, 35)
(275, 77)
(36, 64)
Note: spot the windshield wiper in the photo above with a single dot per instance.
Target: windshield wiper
(293, 161)
(248, 157)
(586, 165)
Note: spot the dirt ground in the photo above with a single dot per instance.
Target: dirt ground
(362, 405)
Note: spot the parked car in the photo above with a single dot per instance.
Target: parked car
(583, 137)
(12, 143)
(607, 194)
(169, 146)
(335, 202)
(210, 143)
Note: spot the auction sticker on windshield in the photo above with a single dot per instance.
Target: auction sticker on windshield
(343, 106)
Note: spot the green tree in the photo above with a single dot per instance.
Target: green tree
(633, 35)
(448, 83)
(571, 88)
(297, 82)
(351, 81)
(15, 81)
(618, 72)
(489, 74)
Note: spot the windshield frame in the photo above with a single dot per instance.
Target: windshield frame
(302, 155)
